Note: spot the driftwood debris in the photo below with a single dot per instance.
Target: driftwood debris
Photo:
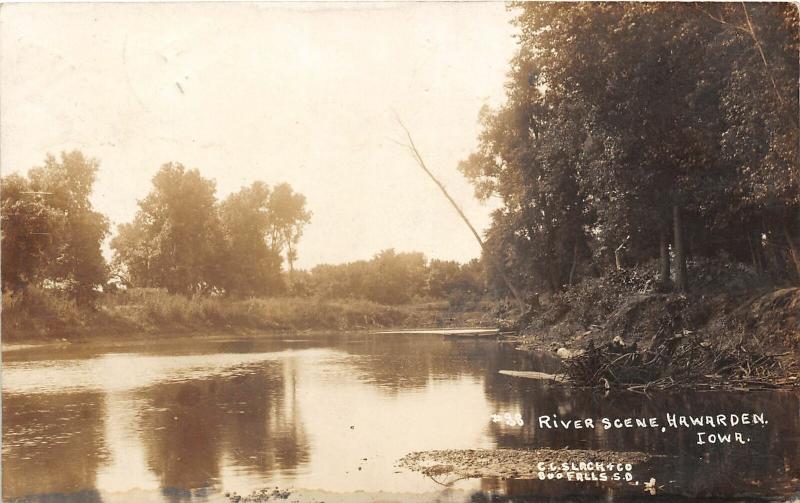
(681, 361)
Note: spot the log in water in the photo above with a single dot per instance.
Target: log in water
(539, 376)
(450, 332)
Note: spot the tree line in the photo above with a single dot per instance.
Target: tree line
(182, 239)
(186, 241)
(392, 277)
(644, 131)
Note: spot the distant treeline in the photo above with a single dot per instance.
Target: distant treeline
(185, 241)
(644, 131)
(394, 278)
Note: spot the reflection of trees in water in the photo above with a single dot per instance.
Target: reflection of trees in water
(52, 443)
(767, 463)
(252, 419)
(401, 362)
(396, 362)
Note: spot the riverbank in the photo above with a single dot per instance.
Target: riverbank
(142, 313)
(732, 329)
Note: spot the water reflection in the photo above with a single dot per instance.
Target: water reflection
(52, 444)
(181, 421)
(252, 420)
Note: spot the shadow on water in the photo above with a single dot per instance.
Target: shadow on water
(180, 421)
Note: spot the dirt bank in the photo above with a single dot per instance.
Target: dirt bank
(732, 328)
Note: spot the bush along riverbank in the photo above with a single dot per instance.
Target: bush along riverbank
(734, 329)
(38, 314)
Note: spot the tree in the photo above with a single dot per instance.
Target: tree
(442, 276)
(182, 240)
(133, 253)
(50, 230)
(251, 267)
(447, 279)
(28, 227)
(176, 240)
(528, 156)
(388, 278)
(630, 127)
(394, 278)
(287, 217)
(760, 137)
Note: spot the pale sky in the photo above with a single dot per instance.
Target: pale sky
(297, 93)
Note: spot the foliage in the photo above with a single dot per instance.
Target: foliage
(251, 266)
(40, 312)
(50, 231)
(175, 240)
(28, 226)
(620, 115)
(397, 278)
(287, 216)
(136, 311)
(183, 240)
(456, 282)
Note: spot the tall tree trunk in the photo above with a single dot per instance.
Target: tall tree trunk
(574, 262)
(753, 257)
(619, 260)
(619, 254)
(554, 279)
(290, 258)
(681, 280)
(756, 251)
(663, 258)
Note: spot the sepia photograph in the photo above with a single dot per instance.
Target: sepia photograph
(400, 252)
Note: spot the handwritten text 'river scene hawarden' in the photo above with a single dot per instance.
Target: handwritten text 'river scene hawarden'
(669, 420)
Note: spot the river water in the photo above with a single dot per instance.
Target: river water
(328, 417)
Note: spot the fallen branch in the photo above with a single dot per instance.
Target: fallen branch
(415, 153)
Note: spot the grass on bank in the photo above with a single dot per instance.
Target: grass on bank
(42, 314)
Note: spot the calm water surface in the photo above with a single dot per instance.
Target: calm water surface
(329, 417)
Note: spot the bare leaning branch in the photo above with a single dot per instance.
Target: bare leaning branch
(411, 146)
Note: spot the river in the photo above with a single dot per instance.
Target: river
(328, 417)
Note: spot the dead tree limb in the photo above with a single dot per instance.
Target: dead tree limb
(498, 267)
